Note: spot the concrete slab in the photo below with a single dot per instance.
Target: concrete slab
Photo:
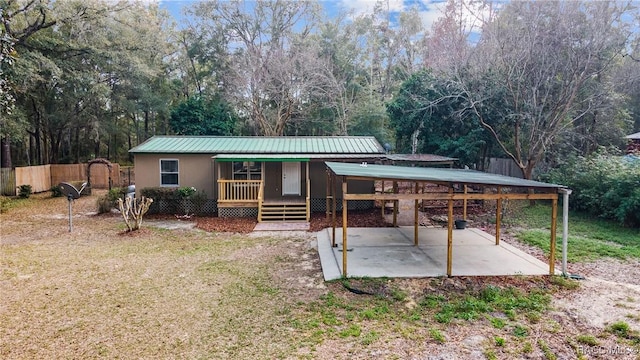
(390, 252)
(282, 226)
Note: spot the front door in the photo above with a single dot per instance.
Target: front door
(290, 178)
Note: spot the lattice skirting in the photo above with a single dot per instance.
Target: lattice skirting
(183, 207)
(238, 212)
(319, 205)
(211, 207)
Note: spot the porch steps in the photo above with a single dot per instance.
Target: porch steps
(284, 212)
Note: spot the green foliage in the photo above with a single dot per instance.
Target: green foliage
(604, 185)
(198, 116)
(548, 354)
(186, 191)
(184, 200)
(589, 238)
(25, 191)
(437, 336)
(160, 193)
(56, 191)
(499, 341)
(5, 204)
(429, 106)
(520, 331)
(108, 201)
(620, 328)
(587, 340)
(489, 299)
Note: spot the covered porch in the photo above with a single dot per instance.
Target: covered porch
(275, 187)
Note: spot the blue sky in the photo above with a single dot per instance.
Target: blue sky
(430, 10)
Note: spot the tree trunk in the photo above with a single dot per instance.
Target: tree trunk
(6, 153)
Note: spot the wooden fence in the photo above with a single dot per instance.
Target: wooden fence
(504, 167)
(43, 177)
(7, 182)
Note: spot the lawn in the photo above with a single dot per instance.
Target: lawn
(589, 238)
(102, 293)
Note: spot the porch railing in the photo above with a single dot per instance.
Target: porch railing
(239, 190)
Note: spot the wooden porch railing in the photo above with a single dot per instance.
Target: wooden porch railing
(260, 198)
(239, 190)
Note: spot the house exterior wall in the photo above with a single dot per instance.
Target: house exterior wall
(318, 172)
(195, 170)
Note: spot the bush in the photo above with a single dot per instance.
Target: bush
(25, 191)
(56, 191)
(603, 185)
(184, 200)
(108, 201)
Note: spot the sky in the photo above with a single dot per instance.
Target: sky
(430, 10)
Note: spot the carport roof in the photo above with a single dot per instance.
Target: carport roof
(437, 175)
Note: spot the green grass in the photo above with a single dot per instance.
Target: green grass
(469, 306)
(587, 340)
(589, 238)
(437, 336)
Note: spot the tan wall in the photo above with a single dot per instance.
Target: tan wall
(193, 170)
(318, 172)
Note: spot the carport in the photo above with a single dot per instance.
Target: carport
(457, 181)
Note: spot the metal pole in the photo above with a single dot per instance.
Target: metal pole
(565, 227)
(70, 215)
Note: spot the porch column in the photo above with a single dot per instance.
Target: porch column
(450, 232)
(498, 215)
(565, 228)
(415, 215)
(344, 226)
(552, 251)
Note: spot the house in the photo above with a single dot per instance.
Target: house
(634, 143)
(271, 178)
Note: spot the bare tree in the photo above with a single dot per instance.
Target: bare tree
(542, 61)
(267, 39)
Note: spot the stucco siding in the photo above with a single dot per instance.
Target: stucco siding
(318, 172)
(195, 170)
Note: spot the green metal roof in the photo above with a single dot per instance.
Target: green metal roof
(295, 157)
(455, 176)
(259, 145)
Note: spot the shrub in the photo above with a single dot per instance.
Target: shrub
(25, 191)
(183, 200)
(603, 185)
(56, 191)
(108, 201)
(133, 210)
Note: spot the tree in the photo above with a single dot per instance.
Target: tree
(197, 116)
(426, 118)
(268, 79)
(541, 58)
(7, 101)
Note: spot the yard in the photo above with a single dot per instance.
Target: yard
(188, 293)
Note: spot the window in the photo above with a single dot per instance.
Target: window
(247, 170)
(168, 172)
